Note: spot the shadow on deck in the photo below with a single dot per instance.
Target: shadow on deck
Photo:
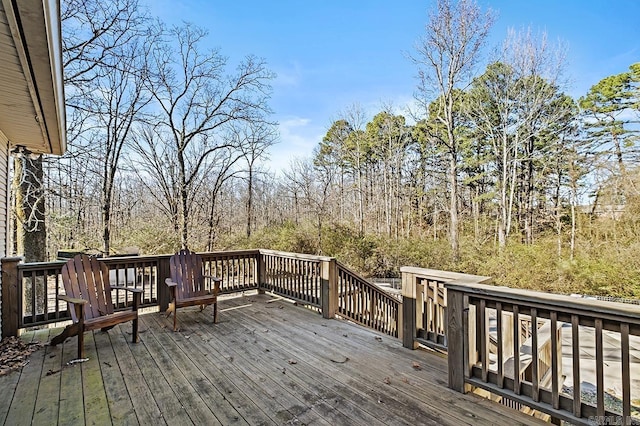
(265, 362)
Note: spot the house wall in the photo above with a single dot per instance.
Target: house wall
(4, 205)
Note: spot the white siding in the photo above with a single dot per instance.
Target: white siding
(4, 205)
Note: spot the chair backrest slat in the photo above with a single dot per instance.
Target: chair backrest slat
(86, 278)
(186, 272)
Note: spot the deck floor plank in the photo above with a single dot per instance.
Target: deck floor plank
(215, 398)
(153, 399)
(119, 401)
(71, 408)
(96, 407)
(265, 362)
(233, 375)
(396, 378)
(229, 381)
(185, 394)
(315, 368)
(48, 398)
(9, 383)
(402, 407)
(24, 397)
(271, 381)
(331, 404)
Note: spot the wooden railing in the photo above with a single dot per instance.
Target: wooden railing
(570, 358)
(574, 359)
(237, 269)
(592, 339)
(425, 299)
(293, 275)
(30, 290)
(366, 304)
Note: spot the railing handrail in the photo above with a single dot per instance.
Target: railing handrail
(374, 287)
(40, 265)
(445, 276)
(291, 255)
(560, 302)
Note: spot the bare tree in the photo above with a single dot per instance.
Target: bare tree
(152, 161)
(313, 183)
(93, 31)
(197, 101)
(254, 141)
(446, 57)
(117, 105)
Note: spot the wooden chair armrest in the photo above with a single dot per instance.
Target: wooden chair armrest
(72, 299)
(213, 277)
(131, 289)
(170, 283)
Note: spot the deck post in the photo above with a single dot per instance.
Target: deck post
(329, 290)
(260, 272)
(164, 272)
(10, 296)
(457, 340)
(409, 311)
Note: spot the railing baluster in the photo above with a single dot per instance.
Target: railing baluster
(500, 344)
(599, 368)
(516, 350)
(555, 380)
(626, 374)
(575, 340)
(484, 350)
(34, 312)
(535, 374)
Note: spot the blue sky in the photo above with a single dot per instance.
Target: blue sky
(331, 54)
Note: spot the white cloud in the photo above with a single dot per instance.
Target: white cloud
(289, 76)
(298, 138)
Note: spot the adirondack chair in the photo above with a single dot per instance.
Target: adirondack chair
(88, 295)
(187, 287)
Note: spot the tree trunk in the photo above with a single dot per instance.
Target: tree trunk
(453, 208)
(30, 229)
(249, 201)
(107, 194)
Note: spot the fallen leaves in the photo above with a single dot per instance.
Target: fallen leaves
(14, 353)
(416, 366)
(340, 361)
(293, 361)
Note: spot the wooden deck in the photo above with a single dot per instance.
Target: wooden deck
(265, 362)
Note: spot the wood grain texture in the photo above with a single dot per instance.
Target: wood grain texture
(266, 362)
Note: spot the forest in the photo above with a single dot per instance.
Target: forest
(493, 170)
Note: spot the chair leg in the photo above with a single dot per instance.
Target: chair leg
(81, 345)
(170, 309)
(215, 312)
(69, 331)
(175, 320)
(134, 332)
